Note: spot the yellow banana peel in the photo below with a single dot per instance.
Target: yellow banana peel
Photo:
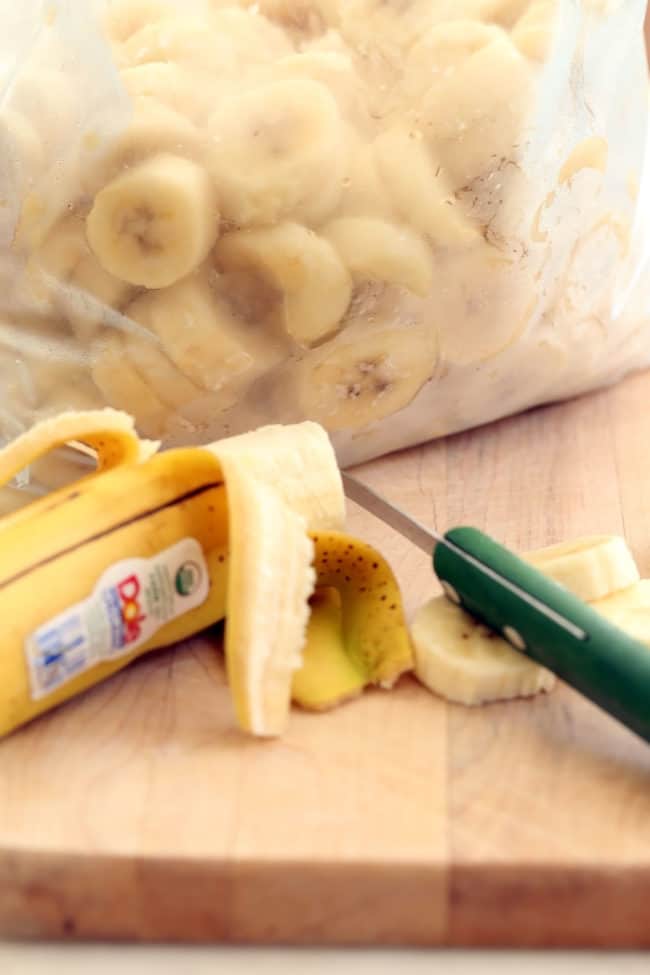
(152, 548)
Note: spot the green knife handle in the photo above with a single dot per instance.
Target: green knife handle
(605, 664)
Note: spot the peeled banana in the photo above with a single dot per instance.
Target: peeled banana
(376, 250)
(155, 223)
(151, 549)
(278, 151)
(591, 568)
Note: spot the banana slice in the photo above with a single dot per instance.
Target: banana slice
(186, 41)
(316, 288)
(333, 69)
(418, 189)
(123, 388)
(124, 18)
(376, 250)
(473, 115)
(464, 661)
(629, 610)
(252, 36)
(278, 151)
(365, 194)
(154, 129)
(591, 568)
(301, 18)
(534, 32)
(172, 86)
(171, 387)
(22, 144)
(91, 295)
(156, 223)
(202, 338)
(365, 374)
(439, 50)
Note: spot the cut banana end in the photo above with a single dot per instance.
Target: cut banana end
(465, 662)
(365, 374)
(376, 250)
(123, 387)
(278, 151)
(591, 568)
(156, 223)
(357, 636)
(304, 268)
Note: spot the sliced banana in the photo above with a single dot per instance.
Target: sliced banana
(22, 144)
(377, 250)
(186, 41)
(629, 610)
(172, 86)
(333, 69)
(419, 190)
(155, 128)
(253, 37)
(124, 18)
(591, 568)
(364, 192)
(315, 287)
(278, 151)
(473, 116)
(301, 18)
(156, 223)
(438, 51)
(168, 383)
(534, 32)
(201, 336)
(465, 662)
(368, 372)
(123, 388)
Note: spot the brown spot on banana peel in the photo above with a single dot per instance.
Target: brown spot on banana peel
(358, 635)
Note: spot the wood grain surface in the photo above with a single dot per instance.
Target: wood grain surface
(139, 812)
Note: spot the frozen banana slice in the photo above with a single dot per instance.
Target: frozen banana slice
(376, 250)
(201, 337)
(123, 388)
(365, 374)
(591, 568)
(155, 223)
(365, 194)
(278, 151)
(124, 18)
(187, 41)
(534, 32)
(333, 69)
(301, 18)
(439, 50)
(167, 382)
(474, 115)
(419, 190)
(466, 662)
(252, 36)
(305, 269)
(154, 128)
(172, 86)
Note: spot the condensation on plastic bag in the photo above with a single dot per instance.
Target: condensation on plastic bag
(398, 220)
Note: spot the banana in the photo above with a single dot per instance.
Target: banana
(591, 568)
(315, 287)
(301, 18)
(168, 383)
(365, 194)
(201, 336)
(186, 41)
(333, 69)
(22, 145)
(54, 129)
(357, 635)
(123, 388)
(419, 190)
(172, 86)
(124, 18)
(278, 151)
(377, 250)
(534, 32)
(154, 128)
(629, 609)
(368, 372)
(156, 223)
(466, 662)
(253, 37)
(473, 116)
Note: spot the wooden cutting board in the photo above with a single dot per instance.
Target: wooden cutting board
(139, 812)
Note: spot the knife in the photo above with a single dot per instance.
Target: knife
(536, 615)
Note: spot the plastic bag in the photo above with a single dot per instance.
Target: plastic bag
(398, 219)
